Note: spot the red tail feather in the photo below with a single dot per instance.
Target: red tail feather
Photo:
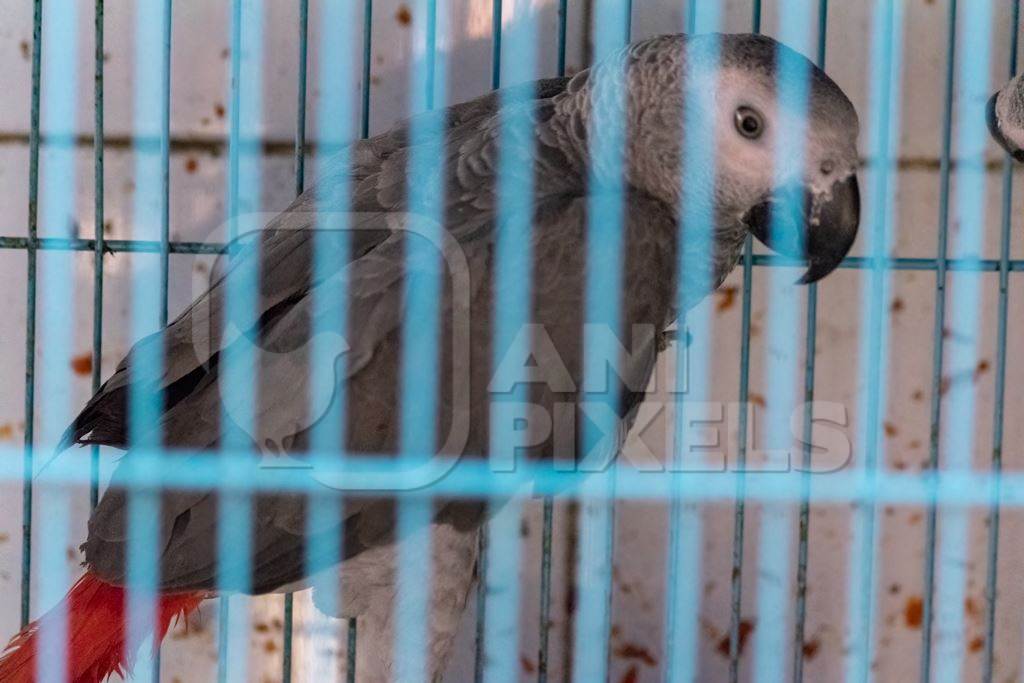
(96, 613)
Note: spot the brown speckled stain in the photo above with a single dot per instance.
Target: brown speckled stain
(404, 15)
(630, 676)
(634, 651)
(811, 648)
(746, 628)
(82, 364)
(726, 298)
(981, 368)
(913, 612)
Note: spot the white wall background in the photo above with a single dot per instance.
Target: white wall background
(198, 172)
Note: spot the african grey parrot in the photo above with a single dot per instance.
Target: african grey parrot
(1006, 117)
(752, 180)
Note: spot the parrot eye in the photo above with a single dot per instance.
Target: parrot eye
(749, 123)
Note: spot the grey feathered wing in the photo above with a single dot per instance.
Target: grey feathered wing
(370, 361)
(188, 521)
(282, 256)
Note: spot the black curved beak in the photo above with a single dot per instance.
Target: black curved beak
(820, 228)
(996, 132)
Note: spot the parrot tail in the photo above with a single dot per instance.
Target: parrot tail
(96, 632)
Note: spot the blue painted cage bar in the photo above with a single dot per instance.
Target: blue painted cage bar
(946, 492)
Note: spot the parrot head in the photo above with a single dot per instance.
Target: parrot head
(1006, 117)
(787, 158)
(784, 152)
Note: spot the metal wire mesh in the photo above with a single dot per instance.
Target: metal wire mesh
(946, 493)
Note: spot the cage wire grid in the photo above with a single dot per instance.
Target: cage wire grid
(944, 492)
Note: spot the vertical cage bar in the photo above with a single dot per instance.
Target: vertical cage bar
(938, 341)
(782, 298)
(482, 552)
(480, 633)
(548, 518)
(30, 312)
(152, 172)
(544, 625)
(336, 117)
(300, 105)
(512, 303)
(238, 366)
(740, 514)
(958, 424)
(350, 648)
(563, 22)
(691, 382)
(60, 21)
(367, 59)
(364, 133)
(810, 348)
(886, 53)
(603, 291)
(300, 182)
(739, 518)
(496, 19)
(691, 16)
(419, 376)
(165, 163)
(165, 226)
(992, 542)
(100, 231)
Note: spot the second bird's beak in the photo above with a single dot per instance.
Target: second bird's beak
(997, 133)
(794, 221)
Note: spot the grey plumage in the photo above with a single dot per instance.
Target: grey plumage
(656, 100)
